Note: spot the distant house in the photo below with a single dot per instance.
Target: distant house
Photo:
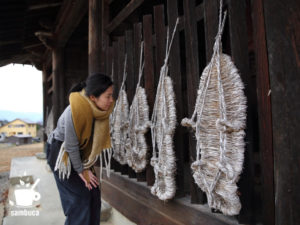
(3, 122)
(19, 127)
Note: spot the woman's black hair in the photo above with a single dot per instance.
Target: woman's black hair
(94, 85)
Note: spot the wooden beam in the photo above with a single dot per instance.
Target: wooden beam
(129, 8)
(10, 42)
(95, 36)
(32, 45)
(70, 15)
(50, 77)
(43, 6)
(50, 90)
(109, 1)
(129, 197)
(46, 38)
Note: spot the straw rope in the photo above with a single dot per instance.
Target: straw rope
(136, 146)
(120, 123)
(162, 130)
(221, 119)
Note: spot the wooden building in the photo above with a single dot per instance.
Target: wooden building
(69, 39)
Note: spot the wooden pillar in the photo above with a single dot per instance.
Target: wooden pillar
(282, 22)
(44, 103)
(95, 32)
(58, 95)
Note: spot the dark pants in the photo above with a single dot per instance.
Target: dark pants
(81, 206)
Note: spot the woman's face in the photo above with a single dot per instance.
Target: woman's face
(104, 101)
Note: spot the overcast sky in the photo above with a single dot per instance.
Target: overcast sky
(21, 88)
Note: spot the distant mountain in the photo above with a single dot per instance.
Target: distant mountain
(27, 116)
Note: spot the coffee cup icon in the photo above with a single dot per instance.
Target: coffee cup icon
(27, 196)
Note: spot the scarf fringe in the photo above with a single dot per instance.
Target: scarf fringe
(64, 170)
(107, 154)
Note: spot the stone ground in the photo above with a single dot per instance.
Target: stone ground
(7, 152)
(49, 206)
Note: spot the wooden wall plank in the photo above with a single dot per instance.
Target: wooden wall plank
(200, 12)
(192, 78)
(239, 50)
(175, 73)
(264, 113)
(115, 164)
(109, 70)
(130, 78)
(160, 39)
(105, 36)
(116, 69)
(130, 75)
(282, 21)
(137, 38)
(109, 61)
(211, 17)
(121, 60)
(149, 80)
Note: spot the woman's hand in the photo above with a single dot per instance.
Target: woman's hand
(89, 179)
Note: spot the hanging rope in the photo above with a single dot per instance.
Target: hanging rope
(162, 129)
(221, 119)
(120, 122)
(136, 146)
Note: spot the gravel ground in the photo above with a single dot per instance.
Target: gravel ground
(4, 185)
(7, 153)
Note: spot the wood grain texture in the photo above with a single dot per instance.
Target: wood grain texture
(282, 21)
(264, 112)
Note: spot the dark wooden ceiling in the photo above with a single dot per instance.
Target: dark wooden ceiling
(19, 20)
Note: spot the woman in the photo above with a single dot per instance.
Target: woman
(82, 133)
